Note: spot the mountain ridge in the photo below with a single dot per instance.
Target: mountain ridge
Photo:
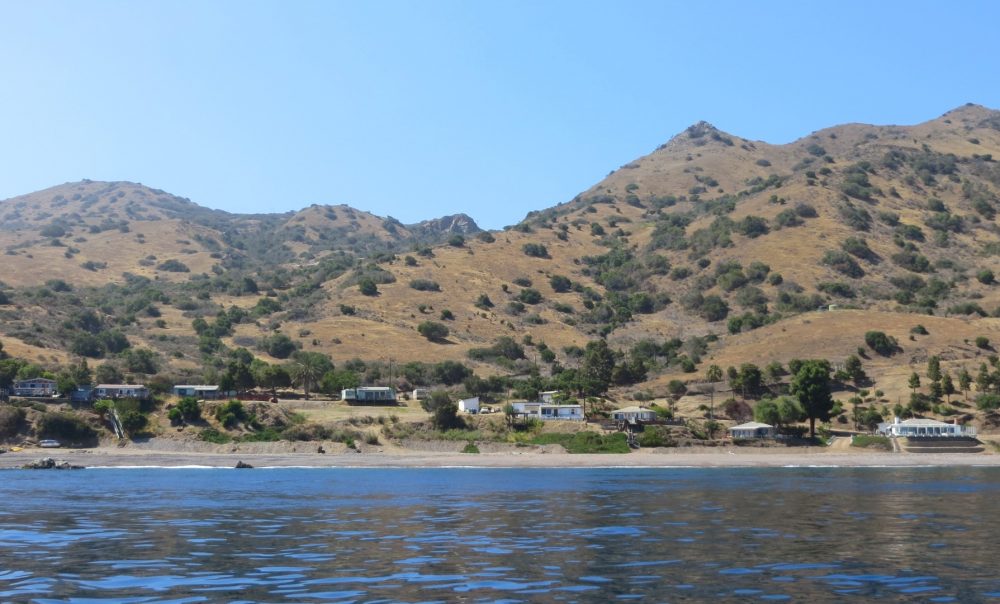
(711, 240)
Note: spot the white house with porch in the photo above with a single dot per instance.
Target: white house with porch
(201, 391)
(121, 391)
(34, 387)
(751, 430)
(570, 412)
(633, 414)
(917, 427)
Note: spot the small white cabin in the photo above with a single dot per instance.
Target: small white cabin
(469, 405)
(420, 394)
(751, 430)
(549, 396)
(632, 414)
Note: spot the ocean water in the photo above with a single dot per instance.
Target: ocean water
(500, 535)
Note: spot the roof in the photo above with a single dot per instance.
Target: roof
(634, 409)
(547, 405)
(923, 422)
(197, 386)
(120, 386)
(751, 426)
(371, 388)
(37, 379)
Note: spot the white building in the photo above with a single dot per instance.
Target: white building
(201, 391)
(369, 394)
(121, 391)
(469, 405)
(923, 427)
(34, 387)
(420, 394)
(632, 414)
(549, 396)
(751, 430)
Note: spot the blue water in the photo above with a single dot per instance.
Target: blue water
(492, 535)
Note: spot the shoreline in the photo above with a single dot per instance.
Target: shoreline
(714, 457)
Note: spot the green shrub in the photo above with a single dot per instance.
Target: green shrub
(231, 413)
(843, 264)
(470, 447)
(560, 283)
(881, 343)
(367, 287)
(858, 247)
(983, 342)
(278, 345)
(535, 250)
(211, 435)
(988, 402)
(433, 331)
(425, 285)
(985, 276)
(530, 296)
(867, 441)
(585, 442)
(133, 421)
(174, 266)
(484, 302)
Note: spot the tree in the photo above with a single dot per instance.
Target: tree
(270, 377)
(766, 412)
(914, 381)
(278, 345)
(749, 379)
(598, 365)
(934, 368)
(335, 381)
(308, 367)
(713, 374)
(367, 287)
(983, 378)
(812, 387)
(964, 381)
(947, 387)
(108, 374)
(443, 410)
(854, 370)
(433, 331)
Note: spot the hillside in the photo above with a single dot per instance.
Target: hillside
(728, 246)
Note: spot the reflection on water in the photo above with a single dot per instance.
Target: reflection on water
(477, 535)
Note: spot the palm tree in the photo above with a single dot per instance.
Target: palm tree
(713, 375)
(308, 368)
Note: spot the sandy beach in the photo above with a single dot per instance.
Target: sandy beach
(340, 457)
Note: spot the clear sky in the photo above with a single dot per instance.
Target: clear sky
(423, 108)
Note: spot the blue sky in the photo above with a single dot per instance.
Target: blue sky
(420, 109)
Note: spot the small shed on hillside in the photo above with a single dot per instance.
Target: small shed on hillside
(469, 405)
